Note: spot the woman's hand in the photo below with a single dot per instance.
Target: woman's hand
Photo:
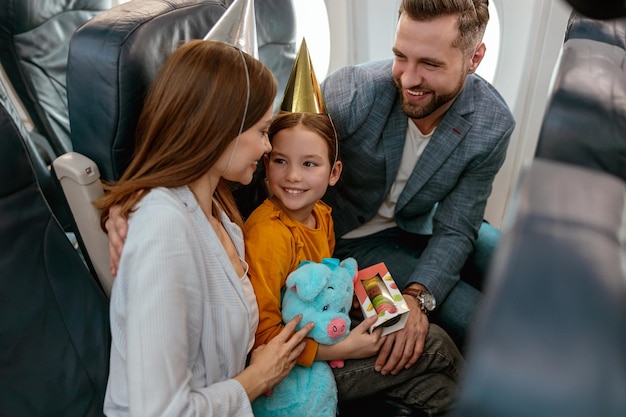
(270, 364)
(117, 229)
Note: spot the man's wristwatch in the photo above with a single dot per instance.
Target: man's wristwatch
(426, 299)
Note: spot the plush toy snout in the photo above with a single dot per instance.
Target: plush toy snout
(337, 328)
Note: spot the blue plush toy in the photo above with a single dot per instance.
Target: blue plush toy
(322, 293)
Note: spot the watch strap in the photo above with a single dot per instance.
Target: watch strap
(414, 292)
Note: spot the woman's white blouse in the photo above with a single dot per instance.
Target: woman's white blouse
(182, 320)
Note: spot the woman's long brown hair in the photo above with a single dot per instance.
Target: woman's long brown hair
(192, 112)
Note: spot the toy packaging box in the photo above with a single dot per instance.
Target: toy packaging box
(378, 294)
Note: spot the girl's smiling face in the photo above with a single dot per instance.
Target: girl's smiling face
(299, 170)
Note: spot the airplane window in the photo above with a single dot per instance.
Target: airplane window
(312, 24)
(487, 67)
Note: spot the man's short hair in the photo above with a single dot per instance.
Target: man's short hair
(473, 17)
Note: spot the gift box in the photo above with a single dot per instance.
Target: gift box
(379, 295)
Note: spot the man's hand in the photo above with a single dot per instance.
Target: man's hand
(403, 348)
(117, 229)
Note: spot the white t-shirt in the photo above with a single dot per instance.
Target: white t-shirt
(414, 143)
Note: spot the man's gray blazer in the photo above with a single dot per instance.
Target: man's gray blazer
(447, 192)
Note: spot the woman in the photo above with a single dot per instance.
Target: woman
(183, 312)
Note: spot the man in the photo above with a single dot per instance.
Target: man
(422, 138)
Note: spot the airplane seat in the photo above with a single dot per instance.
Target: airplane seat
(600, 9)
(276, 35)
(114, 57)
(585, 121)
(610, 32)
(112, 60)
(34, 43)
(54, 325)
(549, 337)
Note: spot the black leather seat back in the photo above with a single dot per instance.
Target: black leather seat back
(585, 121)
(607, 31)
(114, 57)
(550, 339)
(600, 9)
(276, 33)
(112, 60)
(54, 328)
(34, 43)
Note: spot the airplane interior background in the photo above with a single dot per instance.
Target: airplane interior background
(549, 340)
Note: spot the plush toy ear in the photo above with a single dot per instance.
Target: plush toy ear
(331, 263)
(351, 265)
(308, 280)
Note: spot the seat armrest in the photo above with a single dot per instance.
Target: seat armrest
(79, 178)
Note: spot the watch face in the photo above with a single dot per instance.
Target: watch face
(428, 301)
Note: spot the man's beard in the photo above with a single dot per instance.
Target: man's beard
(419, 111)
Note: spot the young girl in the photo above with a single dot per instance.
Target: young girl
(183, 313)
(295, 225)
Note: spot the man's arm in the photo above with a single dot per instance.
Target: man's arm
(455, 224)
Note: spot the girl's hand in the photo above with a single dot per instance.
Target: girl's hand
(357, 345)
(360, 343)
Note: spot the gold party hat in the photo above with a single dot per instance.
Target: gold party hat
(237, 27)
(302, 93)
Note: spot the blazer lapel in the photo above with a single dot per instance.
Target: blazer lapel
(446, 138)
(394, 135)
